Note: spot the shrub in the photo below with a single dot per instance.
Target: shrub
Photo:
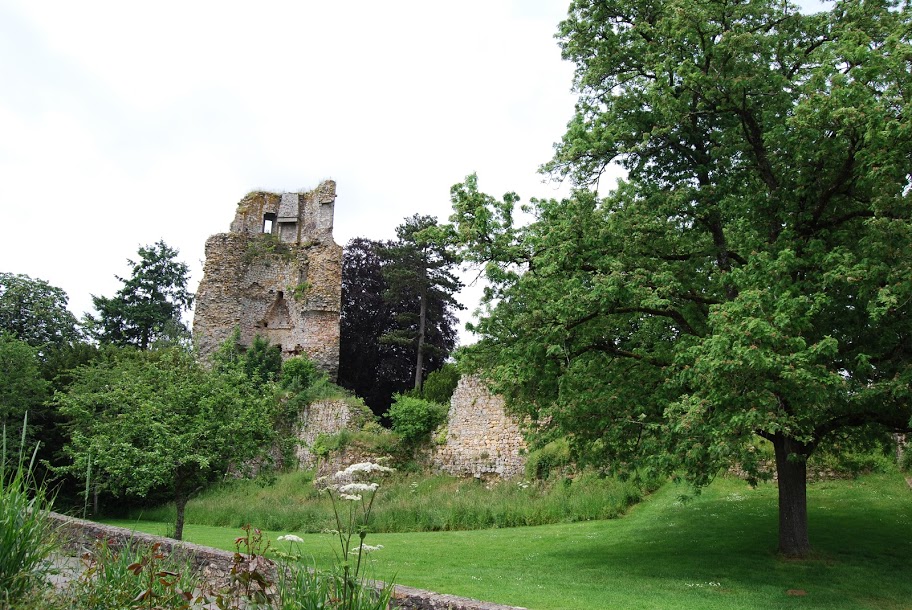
(136, 576)
(553, 457)
(440, 384)
(414, 419)
(299, 372)
(905, 459)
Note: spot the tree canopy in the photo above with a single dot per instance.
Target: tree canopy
(22, 388)
(158, 420)
(419, 277)
(371, 363)
(150, 304)
(750, 278)
(35, 312)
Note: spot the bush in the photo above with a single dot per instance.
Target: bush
(550, 459)
(299, 373)
(905, 459)
(414, 419)
(440, 384)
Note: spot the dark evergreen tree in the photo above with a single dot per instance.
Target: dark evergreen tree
(421, 284)
(150, 304)
(375, 369)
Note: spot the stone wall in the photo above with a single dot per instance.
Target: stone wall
(277, 273)
(215, 565)
(323, 417)
(481, 440)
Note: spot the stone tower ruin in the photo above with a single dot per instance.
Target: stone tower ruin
(277, 273)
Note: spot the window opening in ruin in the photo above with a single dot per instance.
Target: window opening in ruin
(280, 296)
(268, 222)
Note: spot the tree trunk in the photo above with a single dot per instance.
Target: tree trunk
(180, 503)
(792, 475)
(422, 325)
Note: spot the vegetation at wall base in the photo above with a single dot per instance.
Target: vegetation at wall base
(409, 502)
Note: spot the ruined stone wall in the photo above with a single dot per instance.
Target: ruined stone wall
(323, 417)
(482, 440)
(277, 273)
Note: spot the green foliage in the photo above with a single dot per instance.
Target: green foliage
(853, 452)
(299, 372)
(262, 361)
(372, 439)
(382, 306)
(22, 389)
(418, 269)
(553, 458)
(300, 291)
(26, 536)
(414, 418)
(440, 384)
(261, 247)
(412, 502)
(149, 306)
(135, 576)
(750, 276)
(35, 312)
(159, 420)
(905, 460)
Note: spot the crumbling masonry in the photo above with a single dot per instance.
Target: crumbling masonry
(277, 273)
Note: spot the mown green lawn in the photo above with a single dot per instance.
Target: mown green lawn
(715, 551)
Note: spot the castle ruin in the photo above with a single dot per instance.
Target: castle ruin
(277, 273)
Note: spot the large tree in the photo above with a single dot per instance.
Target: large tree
(22, 388)
(420, 281)
(158, 420)
(150, 304)
(751, 278)
(373, 368)
(35, 312)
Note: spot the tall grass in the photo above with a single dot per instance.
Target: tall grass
(410, 503)
(25, 534)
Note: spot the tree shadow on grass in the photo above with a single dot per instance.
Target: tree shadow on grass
(723, 543)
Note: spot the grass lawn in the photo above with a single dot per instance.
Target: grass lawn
(714, 551)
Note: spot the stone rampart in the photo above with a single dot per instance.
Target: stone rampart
(482, 439)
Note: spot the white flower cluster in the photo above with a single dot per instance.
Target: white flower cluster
(361, 468)
(366, 548)
(290, 538)
(356, 488)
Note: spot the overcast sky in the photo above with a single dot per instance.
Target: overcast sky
(122, 123)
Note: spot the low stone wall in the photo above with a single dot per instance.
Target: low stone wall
(214, 565)
(482, 440)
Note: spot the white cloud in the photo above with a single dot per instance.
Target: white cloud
(128, 122)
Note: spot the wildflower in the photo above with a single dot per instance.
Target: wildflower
(290, 538)
(366, 548)
(365, 467)
(358, 488)
(352, 497)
